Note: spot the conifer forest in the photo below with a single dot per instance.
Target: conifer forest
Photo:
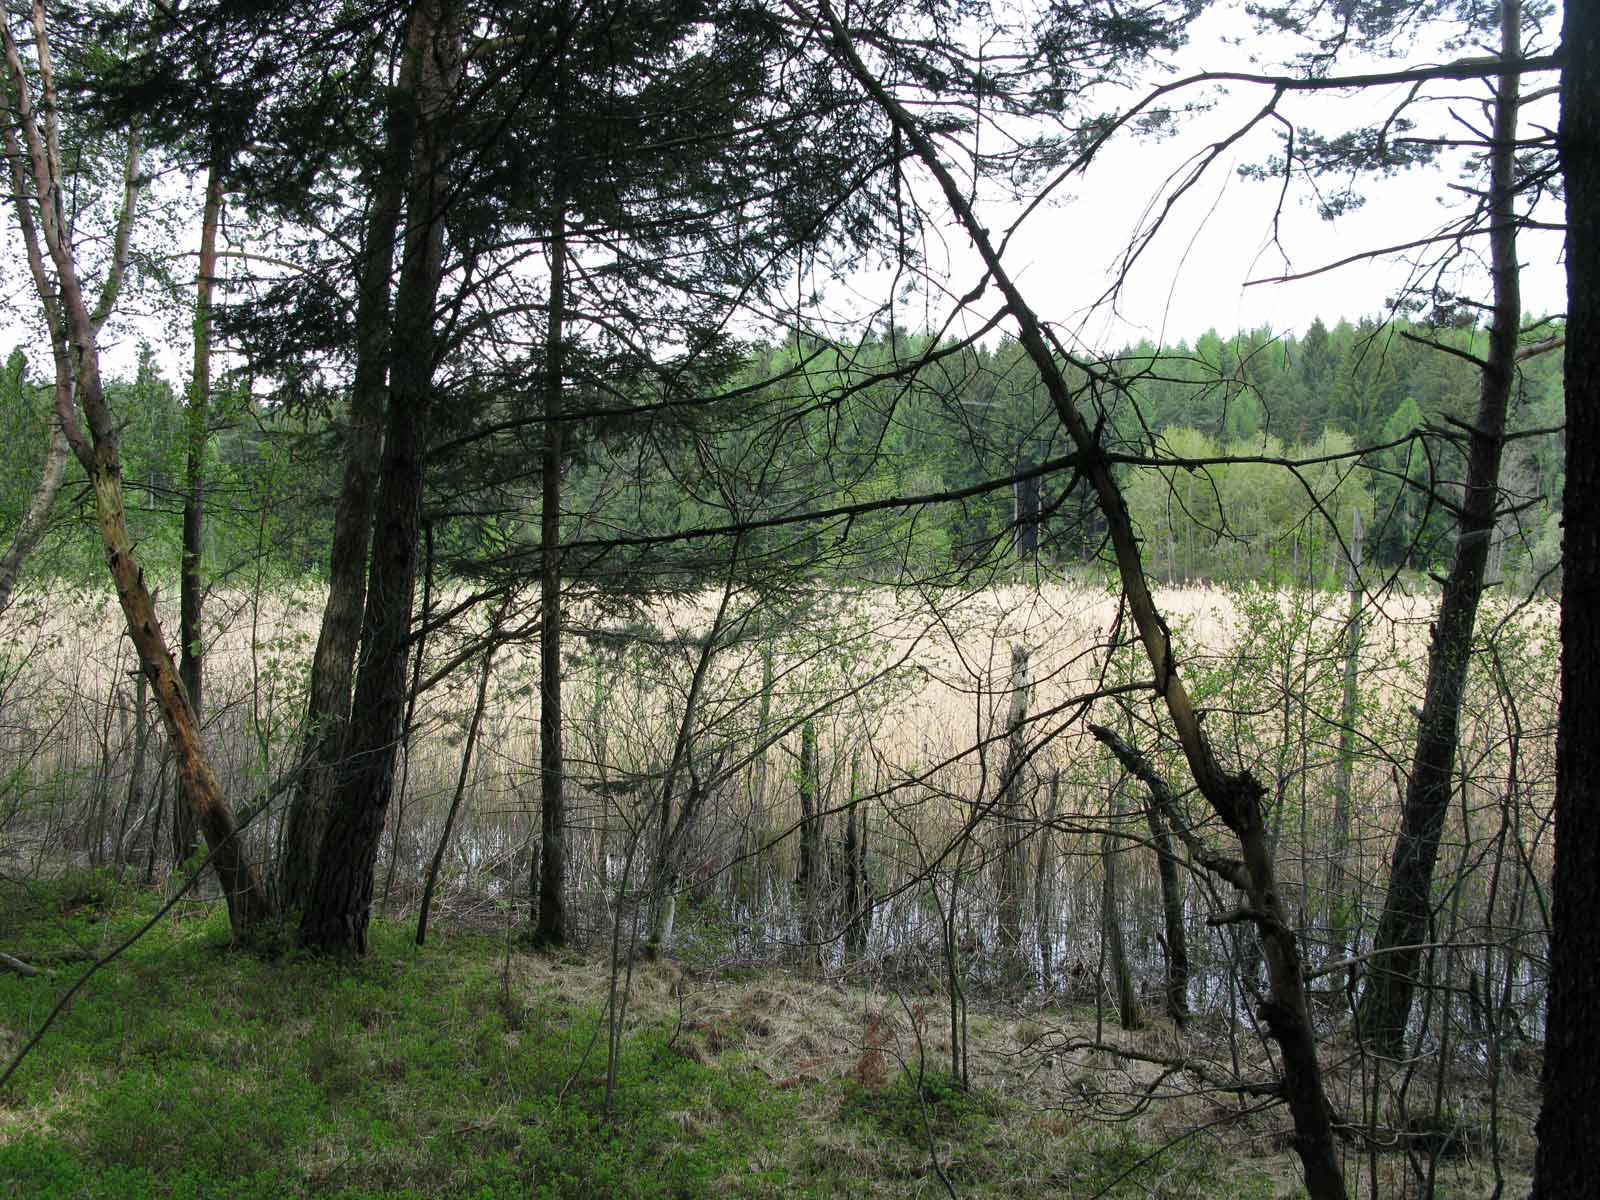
(675, 598)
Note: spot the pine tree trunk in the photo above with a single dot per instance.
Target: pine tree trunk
(339, 906)
(333, 664)
(191, 590)
(1386, 1005)
(551, 925)
(1564, 1167)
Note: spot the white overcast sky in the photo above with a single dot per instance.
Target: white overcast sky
(1193, 277)
(1219, 236)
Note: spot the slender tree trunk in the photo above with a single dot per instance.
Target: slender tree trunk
(1177, 940)
(1386, 1005)
(67, 310)
(333, 664)
(1235, 797)
(551, 927)
(1013, 844)
(135, 800)
(1565, 1164)
(1128, 1013)
(674, 827)
(1044, 885)
(808, 878)
(485, 672)
(408, 722)
(758, 781)
(36, 517)
(855, 913)
(805, 874)
(191, 590)
(1338, 899)
(339, 907)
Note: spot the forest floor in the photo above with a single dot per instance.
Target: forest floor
(188, 1068)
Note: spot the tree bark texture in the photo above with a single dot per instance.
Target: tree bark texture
(339, 907)
(550, 928)
(1564, 1168)
(1407, 907)
(333, 664)
(1013, 872)
(191, 590)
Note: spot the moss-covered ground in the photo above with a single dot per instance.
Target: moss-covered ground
(191, 1068)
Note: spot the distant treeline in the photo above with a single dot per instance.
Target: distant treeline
(807, 427)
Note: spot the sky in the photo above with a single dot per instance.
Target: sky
(1196, 274)
(1228, 231)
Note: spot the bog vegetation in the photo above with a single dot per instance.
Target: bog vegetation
(574, 714)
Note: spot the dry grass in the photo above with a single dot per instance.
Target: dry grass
(822, 1038)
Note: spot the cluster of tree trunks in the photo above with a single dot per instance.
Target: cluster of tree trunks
(359, 681)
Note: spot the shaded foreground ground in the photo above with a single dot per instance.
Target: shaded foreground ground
(468, 1068)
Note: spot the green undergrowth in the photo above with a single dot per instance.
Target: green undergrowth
(187, 1068)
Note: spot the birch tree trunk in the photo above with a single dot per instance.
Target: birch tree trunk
(46, 233)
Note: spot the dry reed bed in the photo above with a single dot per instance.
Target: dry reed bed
(910, 694)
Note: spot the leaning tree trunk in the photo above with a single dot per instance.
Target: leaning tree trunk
(1235, 797)
(1564, 1166)
(1403, 926)
(67, 311)
(339, 906)
(333, 664)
